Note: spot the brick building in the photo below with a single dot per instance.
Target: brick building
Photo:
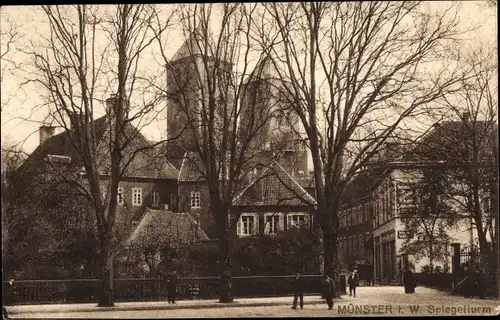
(149, 180)
(277, 181)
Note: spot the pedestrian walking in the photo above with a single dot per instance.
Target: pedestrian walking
(409, 281)
(172, 286)
(298, 291)
(353, 282)
(329, 291)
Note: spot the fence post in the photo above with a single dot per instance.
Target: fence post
(455, 264)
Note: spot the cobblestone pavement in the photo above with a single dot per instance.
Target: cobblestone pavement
(370, 301)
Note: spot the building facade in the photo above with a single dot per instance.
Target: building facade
(415, 201)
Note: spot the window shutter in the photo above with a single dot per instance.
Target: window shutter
(256, 223)
(288, 220)
(238, 227)
(281, 221)
(267, 223)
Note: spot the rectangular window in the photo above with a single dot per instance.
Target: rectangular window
(195, 199)
(120, 195)
(248, 224)
(155, 198)
(273, 222)
(171, 199)
(361, 243)
(136, 196)
(406, 198)
(296, 219)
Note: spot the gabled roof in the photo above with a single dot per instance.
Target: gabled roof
(150, 163)
(449, 140)
(166, 227)
(175, 153)
(191, 168)
(276, 187)
(363, 184)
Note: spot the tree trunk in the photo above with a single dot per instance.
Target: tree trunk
(330, 256)
(225, 295)
(431, 258)
(106, 296)
(328, 251)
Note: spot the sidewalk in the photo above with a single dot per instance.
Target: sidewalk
(162, 305)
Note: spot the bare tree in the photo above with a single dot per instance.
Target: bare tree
(9, 36)
(12, 157)
(225, 117)
(356, 73)
(430, 216)
(90, 49)
(470, 145)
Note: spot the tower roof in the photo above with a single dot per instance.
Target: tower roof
(265, 69)
(192, 45)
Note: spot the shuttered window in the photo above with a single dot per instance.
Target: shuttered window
(248, 224)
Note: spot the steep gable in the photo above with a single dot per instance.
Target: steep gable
(166, 227)
(191, 168)
(274, 187)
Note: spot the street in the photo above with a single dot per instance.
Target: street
(370, 301)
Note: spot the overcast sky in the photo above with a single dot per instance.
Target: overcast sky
(24, 105)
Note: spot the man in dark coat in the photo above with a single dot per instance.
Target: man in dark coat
(409, 281)
(353, 281)
(298, 291)
(329, 291)
(172, 286)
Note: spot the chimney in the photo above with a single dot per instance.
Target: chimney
(110, 105)
(76, 119)
(466, 116)
(46, 132)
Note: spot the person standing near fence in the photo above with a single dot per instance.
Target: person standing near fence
(329, 290)
(353, 281)
(409, 281)
(298, 291)
(172, 286)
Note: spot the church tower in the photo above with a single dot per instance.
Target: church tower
(187, 85)
(265, 98)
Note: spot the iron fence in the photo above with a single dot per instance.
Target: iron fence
(441, 281)
(85, 290)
